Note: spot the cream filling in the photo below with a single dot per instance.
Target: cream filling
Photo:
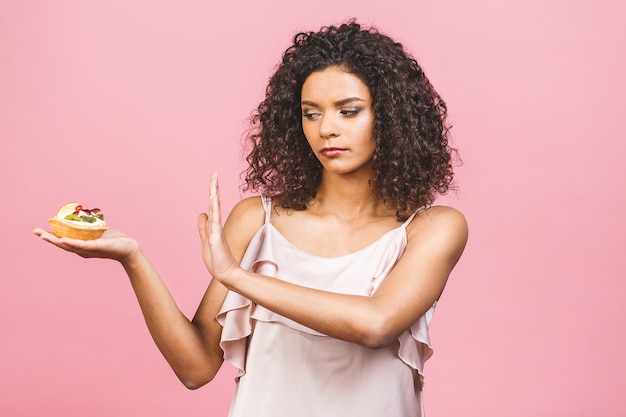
(97, 223)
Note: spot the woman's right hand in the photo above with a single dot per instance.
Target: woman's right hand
(113, 244)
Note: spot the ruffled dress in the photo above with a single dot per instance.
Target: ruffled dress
(289, 370)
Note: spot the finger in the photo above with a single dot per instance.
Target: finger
(70, 245)
(39, 231)
(215, 214)
(47, 236)
(211, 193)
(202, 225)
(215, 224)
(218, 200)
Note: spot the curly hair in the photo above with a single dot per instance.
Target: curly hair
(412, 162)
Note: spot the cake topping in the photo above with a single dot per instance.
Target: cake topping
(82, 214)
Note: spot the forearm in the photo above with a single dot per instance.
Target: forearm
(180, 341)
(353, 318)
(413, 285)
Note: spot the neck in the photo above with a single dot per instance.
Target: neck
(346, 196)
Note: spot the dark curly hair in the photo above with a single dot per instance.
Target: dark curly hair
(412, 162)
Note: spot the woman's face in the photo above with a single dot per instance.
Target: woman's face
(338, 120)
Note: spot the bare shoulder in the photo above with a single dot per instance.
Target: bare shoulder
(244, 220)
(442, 229)
(249, 209)
(247, 214)
(440, 216)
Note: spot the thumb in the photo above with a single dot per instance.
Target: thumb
(202, 225)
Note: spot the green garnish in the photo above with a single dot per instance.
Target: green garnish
(86, 219)
(73, 217)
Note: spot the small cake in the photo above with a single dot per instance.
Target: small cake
(74, 221)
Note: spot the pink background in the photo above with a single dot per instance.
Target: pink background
(129, 105)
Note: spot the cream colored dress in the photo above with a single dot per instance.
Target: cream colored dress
(289, 370)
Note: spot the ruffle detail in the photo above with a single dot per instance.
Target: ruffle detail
(237, 313)
(415, 348)
(234, 317)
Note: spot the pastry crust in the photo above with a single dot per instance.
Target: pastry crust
(74, 229)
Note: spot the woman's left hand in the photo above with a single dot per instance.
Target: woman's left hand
(216, 253)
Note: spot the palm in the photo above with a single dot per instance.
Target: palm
(215, 251)
(114, 244)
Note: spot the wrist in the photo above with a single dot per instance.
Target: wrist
(133, 258)
(232, 277)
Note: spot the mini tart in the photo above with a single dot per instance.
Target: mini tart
(74, 229)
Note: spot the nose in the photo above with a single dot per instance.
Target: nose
(328, 127)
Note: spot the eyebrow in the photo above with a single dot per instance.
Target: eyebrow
(342, 102)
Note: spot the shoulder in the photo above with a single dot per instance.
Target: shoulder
(244, 220)
(247, 213)
(442, 229)
(440, 216)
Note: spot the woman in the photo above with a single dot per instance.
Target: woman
(323, 287)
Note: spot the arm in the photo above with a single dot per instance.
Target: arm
(190, 347)
(436, 239)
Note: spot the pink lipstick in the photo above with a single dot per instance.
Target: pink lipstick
(331, 152)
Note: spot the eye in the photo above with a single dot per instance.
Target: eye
(310, 115)
(350, 112)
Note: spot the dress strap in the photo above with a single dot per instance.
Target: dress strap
(267, 207)
(415, 213)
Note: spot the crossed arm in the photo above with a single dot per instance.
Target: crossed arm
(436, 239)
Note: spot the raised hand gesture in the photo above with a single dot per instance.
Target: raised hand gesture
(216, 253)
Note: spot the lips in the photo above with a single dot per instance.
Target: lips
(331, 152)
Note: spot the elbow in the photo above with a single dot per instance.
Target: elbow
(194, 383)
(191, 385)
(377, 334)
(195, 375)
(377, 341)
